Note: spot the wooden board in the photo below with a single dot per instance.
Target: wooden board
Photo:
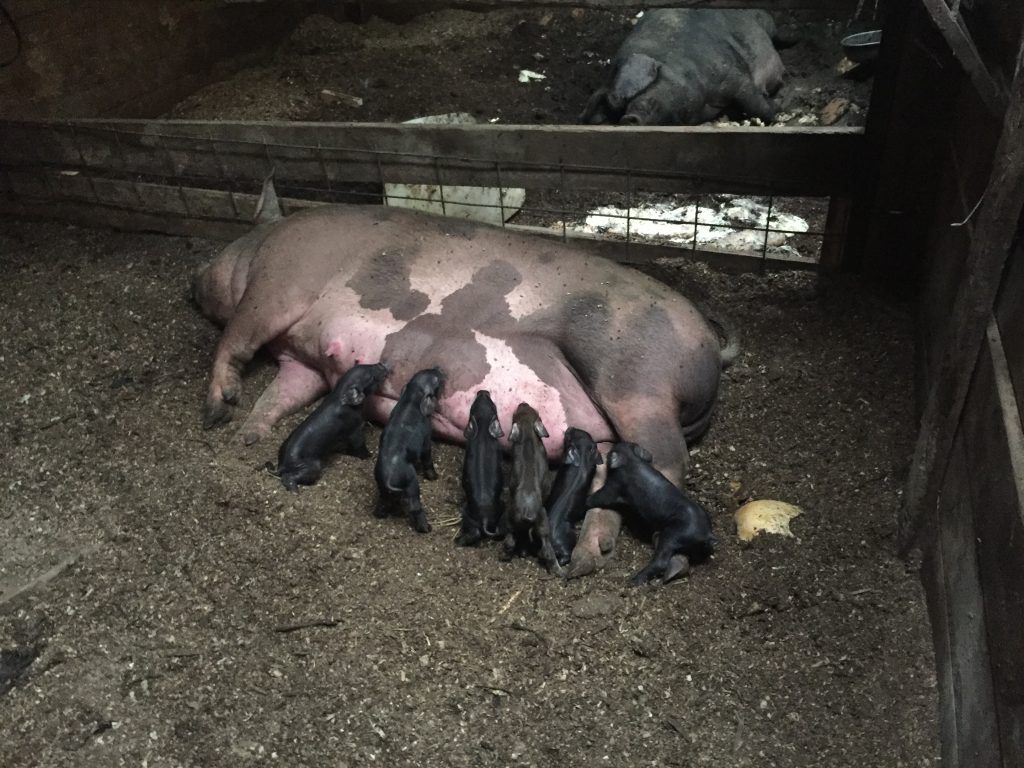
(973, 704)
(933, 578)
(998, 216)
(845, 6)
(909, 113)
(782, 161)
(967, 166)
(966, 55)
(994, 446)
(1010, 317)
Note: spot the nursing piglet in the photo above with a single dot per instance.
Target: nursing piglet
(527, 530)
(405, 447)
(681, 527)
(566, 504)
(335, 425)
(482, 477)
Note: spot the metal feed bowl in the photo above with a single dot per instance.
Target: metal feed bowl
(863, 46)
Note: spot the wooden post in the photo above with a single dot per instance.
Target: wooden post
(833, 245)
(997, 221)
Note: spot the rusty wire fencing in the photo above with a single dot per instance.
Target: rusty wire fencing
(206, 177)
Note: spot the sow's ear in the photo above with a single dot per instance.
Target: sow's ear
(635, 76)
(595, 113)
(513, 436)
(615, 460)
(538, 425)
(495, 430)
(353, 396)
(470, 430)
(642, 453)
(428, 405)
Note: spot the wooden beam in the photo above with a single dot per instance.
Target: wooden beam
(956, 607)
(702, 159)
(997, 221)
(617, 5)
(966, 54)
(994, 445)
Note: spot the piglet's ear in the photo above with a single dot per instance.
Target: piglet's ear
(539, 426)
(428, 405)
(513, 436)
(572, 457)
(470, 430)
(678, 565)
(615, 460)
(353, 396)
(599, 459)
(494, 430)
(642, 453)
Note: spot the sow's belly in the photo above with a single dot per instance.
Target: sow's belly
(472, 361)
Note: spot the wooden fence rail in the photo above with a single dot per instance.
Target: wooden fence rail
(781, 161)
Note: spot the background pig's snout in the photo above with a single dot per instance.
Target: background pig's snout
(630, 119)
(490, 529)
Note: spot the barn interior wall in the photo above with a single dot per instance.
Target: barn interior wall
(934, 135)
(973, 547)
(125, 58)
(966, 162)
(994, 26)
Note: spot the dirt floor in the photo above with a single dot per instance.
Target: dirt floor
(461, 61)
(210, 618)
(179, 608)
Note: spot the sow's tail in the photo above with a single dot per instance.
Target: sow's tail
(727, 333)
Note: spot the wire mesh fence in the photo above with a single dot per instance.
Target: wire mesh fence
(172, 171)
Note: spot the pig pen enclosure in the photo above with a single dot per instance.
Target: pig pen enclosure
(165, 602)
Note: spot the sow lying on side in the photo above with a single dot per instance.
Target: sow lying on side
(682, 66)
(591, 343)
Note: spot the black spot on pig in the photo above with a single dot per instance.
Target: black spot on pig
(587, 329)
(654, 339)
(383, 283)
(498, 277)
(581, 329)
(448, 335)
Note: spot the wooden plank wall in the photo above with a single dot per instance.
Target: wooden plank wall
(994, 459)
(123, 57)
(964, 504)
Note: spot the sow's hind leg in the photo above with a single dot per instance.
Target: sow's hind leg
(258, 321)
(295, 386)
(654, 424)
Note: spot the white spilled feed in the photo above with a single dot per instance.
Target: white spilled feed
(487, 204)
(718, 224)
